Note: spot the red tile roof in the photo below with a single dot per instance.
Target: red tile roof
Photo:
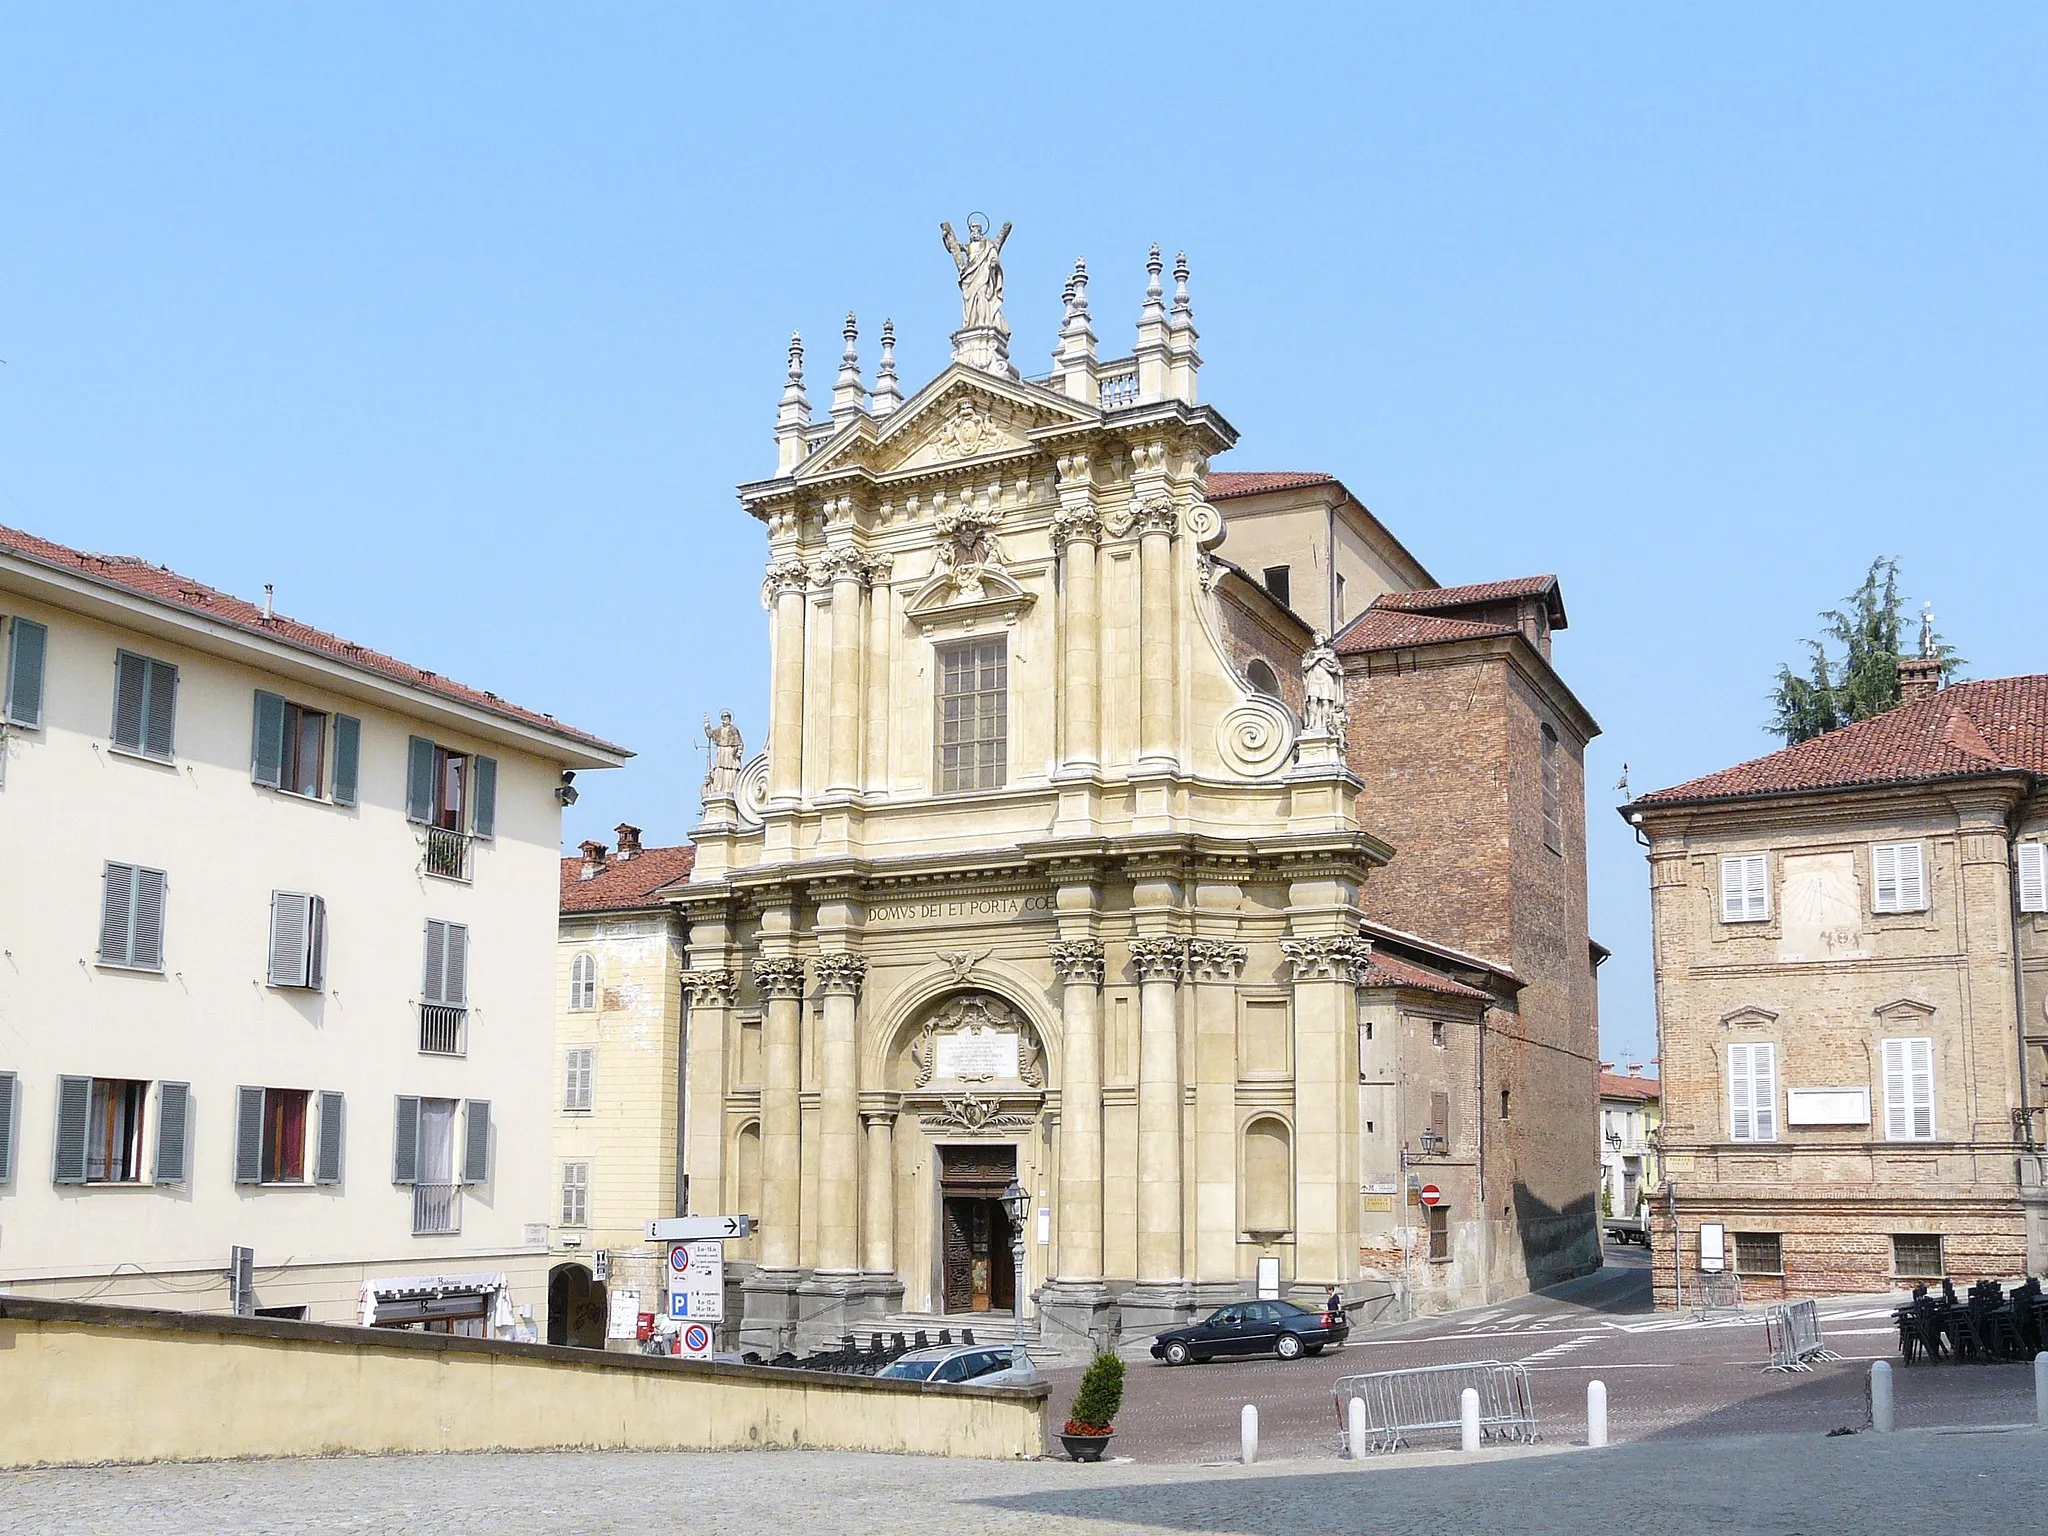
(164, 585)
(1613, 1085)
(1991, 726)
(1378, 629)
(1429, 599)
(624, 885)
(1385, 970)
(1221, 486)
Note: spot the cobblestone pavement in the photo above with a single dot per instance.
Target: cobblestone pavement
(1666, 1375)
(1902, 1485)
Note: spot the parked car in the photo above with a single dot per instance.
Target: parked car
(978, 1363)
(1253, 1328)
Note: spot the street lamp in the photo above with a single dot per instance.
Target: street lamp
(1017, 1206)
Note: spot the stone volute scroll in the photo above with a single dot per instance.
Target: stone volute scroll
(1256, 737)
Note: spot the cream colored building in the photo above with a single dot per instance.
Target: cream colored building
(1630, 1173)
(618, 1155)
(1051, 872)
(277, 918)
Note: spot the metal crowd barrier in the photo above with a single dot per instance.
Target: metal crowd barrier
(1720, 1295)
(1792, 1333)
(1399, 1404)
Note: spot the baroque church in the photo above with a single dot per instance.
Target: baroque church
(1166, 842)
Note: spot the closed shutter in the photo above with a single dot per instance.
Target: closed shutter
(348, 752)
(248, 1135)
(484, 819)
(1752, 1092)
(576, 1078)
(1908, 1089)
(575, 1194)
(419, 779)
(405, 1142)
(433, 979)
(74, 1109)
(1745, 888)
(146, 946)
(173, 1128)
(316, 952)
(159, 728)
(1898, 878)
(457, 979)
(25, 672)
(476, 1142)
(266, 751)
(8, 1088)
(327, 1157)
(2033, 877)
(1440, 1119)
(117, 912)
(131, 685)
(291, 925)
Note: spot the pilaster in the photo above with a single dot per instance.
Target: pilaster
(1214, 968)
(1328, 968)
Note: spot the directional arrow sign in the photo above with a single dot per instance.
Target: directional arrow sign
(685, 1229)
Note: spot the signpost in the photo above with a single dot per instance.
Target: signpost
(696, 1281)
(687, 1229)
(1430, 1195)
(694, 1342)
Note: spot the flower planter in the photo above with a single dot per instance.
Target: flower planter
(1086, 1447)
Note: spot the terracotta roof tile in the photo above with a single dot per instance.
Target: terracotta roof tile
(1429, 599)
(624, 885)
(1613, 1085)
(1221, 486)
(1385, 970)
(1989, 726)
(161, 584)
(1380, 629)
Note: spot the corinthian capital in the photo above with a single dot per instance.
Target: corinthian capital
(786, 575)
(1080, 523)
(779, 976)
(712, 989)
(1160, 959)
(837, 565)
(1214, 960)
(1158, 515)
(840, 973)
(1078, 961)
(1329, 957)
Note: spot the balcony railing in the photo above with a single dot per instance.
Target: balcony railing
(443, 1030)
(436, 1208)
(447, 855)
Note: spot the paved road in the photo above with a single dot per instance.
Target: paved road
(1666, 1375)
(1902, 1485)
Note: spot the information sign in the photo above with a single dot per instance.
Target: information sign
(696, 1281)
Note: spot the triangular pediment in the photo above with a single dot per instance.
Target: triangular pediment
(962, 415)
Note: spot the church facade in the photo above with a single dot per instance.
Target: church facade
(1054, 872)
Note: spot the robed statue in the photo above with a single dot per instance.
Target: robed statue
(1322, 687)
(981, 275)
(722, 776)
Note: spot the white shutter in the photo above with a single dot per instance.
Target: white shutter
(1753, 1092)
(1894, 1059)
(1912, 878)
(1884, 877)
(1920, 1081)
(1740, 1127)
(1745, 888)
(1908, 1089)
(577, 1072)
(2033, 877)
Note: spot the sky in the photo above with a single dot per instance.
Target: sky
(460, 323)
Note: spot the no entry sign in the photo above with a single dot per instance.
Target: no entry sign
(1431, 1195)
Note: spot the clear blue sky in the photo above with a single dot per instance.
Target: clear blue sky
(460, 323)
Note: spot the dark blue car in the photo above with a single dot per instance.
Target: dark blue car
(1252, 1328)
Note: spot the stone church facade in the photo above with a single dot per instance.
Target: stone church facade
(1053, 870)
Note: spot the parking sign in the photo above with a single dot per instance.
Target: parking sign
(696, 1281)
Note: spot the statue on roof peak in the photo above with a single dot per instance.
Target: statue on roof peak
(979, 260)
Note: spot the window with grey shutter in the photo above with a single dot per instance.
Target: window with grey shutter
(74, 1109)
(27, 643)
(484, 816)
(476, 1142)
(457, 980)
(173, 1131)
(117, 912)
(132, 917)
(445, 976)
(316, 947)
(327, 1156)
(145, 705)
(419, 779)
(8, 1089)
(579, 1065)
(131, 688)
(266, 750)
(348, 751)
(160, 717)
(405, 1142)
(248, 1135)
(146, 937)
(291, 929)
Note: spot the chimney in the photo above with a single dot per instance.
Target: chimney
(1635, 1069)
(1606, 1066)
(629, 841)
(593, 860)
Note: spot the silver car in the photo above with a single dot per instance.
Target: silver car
(980, 1363)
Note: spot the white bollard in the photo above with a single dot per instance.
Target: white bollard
(1355, 1423)
(1596, 1413)
(2040, 1390)
(1881, 1396)
(1248, 1434)
(1468, 1420)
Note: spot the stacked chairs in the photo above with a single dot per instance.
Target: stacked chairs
(1987, 1324)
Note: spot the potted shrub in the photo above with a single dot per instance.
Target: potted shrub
(1091, 1421)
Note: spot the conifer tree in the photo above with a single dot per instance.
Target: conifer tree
(1864, 679)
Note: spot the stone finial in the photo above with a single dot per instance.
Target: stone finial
(849, 395)
(1152, 333)
(888, 393)
(1155, 292)
(1181, 306)
(1184, 361)
(1075, 356)
(793, 416)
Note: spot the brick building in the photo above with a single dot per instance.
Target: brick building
(1853, 1063)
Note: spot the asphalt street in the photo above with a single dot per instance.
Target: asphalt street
(1667, 1376)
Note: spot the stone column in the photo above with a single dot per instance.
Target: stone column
(712, 993)
(785, 591)
(1160, 961)
(780, 979)
(1077, 527)
(878, 1200)
(849, 583)
(876, 779)
(839, 978)
(1079, 963)
(1328, 968)
(1157, 521)
(1214, 967)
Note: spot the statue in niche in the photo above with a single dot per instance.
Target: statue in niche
(979, 261)
(722, 775)
(1322, 679)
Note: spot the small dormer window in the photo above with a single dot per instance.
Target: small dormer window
(1278, 584)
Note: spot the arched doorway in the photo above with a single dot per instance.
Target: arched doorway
(576, 1307)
